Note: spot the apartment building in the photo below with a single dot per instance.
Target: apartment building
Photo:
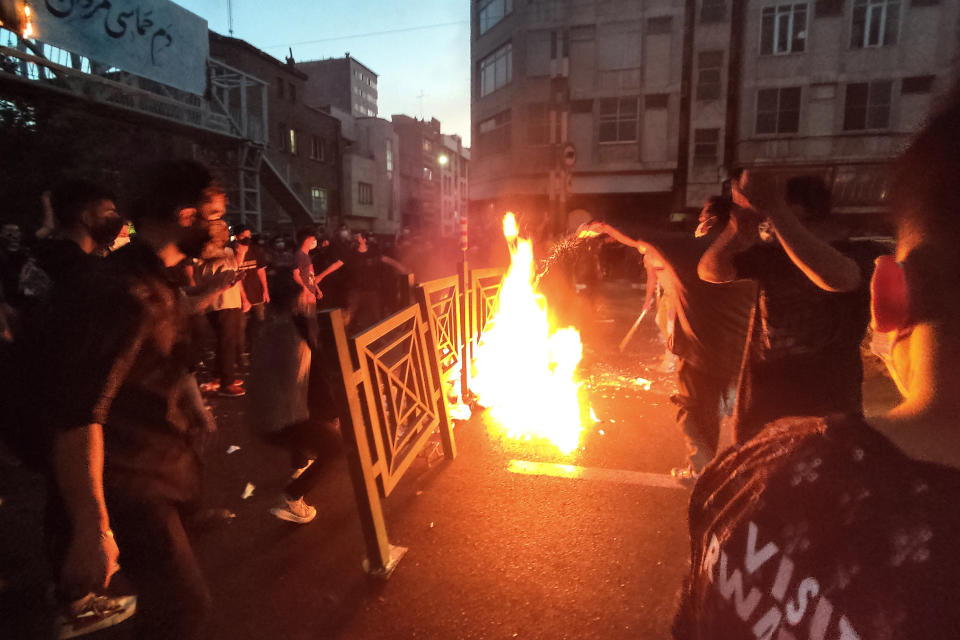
(344, 83)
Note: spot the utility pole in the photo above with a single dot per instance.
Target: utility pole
(230, 16)
(681, 175)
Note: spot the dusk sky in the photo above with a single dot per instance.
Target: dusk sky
(410, 60)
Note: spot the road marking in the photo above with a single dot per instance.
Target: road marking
(527, 468)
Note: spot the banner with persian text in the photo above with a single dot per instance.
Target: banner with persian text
(156, 39)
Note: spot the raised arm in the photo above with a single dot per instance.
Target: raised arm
(716, 264)
(821, 263)
(597, 228)
(333, 267)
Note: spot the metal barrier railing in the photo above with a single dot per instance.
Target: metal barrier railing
(390, 387)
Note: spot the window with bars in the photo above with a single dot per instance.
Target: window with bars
(492, 12)
(496, 70)
(783, 29)
(713, 10)
(493, 134)
(538, 124)
(876, 23)
(659, 25)
(618, 119)
(709, 73)
(364, 193)
(778, 110)
(318, 201)
(318, 148)
(867, 105)
(706, 145)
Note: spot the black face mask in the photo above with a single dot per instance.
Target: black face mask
(244, 241)
(194, 239)
(104, 232)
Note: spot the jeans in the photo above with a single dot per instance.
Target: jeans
(228, 323)
(699, 399)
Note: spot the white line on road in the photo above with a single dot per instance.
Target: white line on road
(527, 468)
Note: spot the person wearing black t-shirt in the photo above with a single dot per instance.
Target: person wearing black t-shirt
(363, 266)
(803, 355)
(844, 527)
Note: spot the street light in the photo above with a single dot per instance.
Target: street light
(442, 159)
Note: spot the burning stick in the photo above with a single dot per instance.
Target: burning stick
(633, 329)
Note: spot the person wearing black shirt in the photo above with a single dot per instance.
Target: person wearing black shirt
(803, 355)
(115, 374)
(844, 527)
(253, 269)
(707, 328)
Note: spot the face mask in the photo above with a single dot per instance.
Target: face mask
(105, 231)
(882, 346)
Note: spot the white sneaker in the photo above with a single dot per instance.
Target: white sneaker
(93, 613)
(296, 511)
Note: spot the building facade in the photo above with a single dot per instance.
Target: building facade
(343, 83)
(300, 169)
(453, 163)
(370, 185)
(632, 108)
(418, 170)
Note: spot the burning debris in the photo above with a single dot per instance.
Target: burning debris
(526, 369)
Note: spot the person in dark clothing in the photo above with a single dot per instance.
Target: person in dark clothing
(364, 272)
(253, 270)
(841, 526)
(115, 378)
(803, 354)
(707, 328)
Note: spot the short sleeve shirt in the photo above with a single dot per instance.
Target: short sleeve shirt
(253, 262)
(822, 528)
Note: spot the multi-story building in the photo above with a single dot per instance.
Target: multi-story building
(370, 184)
(301, 165)
(453, 162)
(418, 169)
(343, 83)
(637, 107)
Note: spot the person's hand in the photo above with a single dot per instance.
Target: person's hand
(319, 295)
(91, 560)
(758, 191)
(245, 306)
(266, 297)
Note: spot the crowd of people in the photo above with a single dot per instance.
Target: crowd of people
(819, 522)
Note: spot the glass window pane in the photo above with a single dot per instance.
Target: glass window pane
(857, 94)
(799, 36)
(766, 31)
(874, 22)
(790, 99)
(608, 132)
(608, 106)
(628, 131)
(892, 25)
(859, 25)
(628, 107)
(766, 122)
(789, 122)
(767, 100)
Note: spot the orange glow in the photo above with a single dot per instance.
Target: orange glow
(525, 369)
(27, 22)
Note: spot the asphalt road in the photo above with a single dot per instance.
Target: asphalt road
(492, 553)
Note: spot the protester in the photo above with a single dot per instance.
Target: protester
(227, 309)
(706, 328)
(120, 453)
(279, 408)
(363, 267)
(804, 350)
(303, 273)
(841, 527)
(253, 270)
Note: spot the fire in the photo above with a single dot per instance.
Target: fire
(525, 370)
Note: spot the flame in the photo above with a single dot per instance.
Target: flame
(525, 370)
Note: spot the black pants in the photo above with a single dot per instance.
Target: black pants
(315, 440)
(699, 401)
(173, 600)
(252, 323)
(228, 323)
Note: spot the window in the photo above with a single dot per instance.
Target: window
(318, 201)
(492, 12)
(867, 105)
(783, 29)
(282, 137)
(293, 92)
(293, 141)
(618, 119)
(389, 156)
(778, 110)
(364, 193)
(706, 144)
(875, 23)
(659, 25)
(917, 84)
(713, 11)
(280, 84)
(427, 145)
(826, 8)
(538, 124)
(709, 65)
(428, 174)
(318, 148)
(493, 134)
(496, 70)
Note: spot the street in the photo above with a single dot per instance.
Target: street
(497, 549)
